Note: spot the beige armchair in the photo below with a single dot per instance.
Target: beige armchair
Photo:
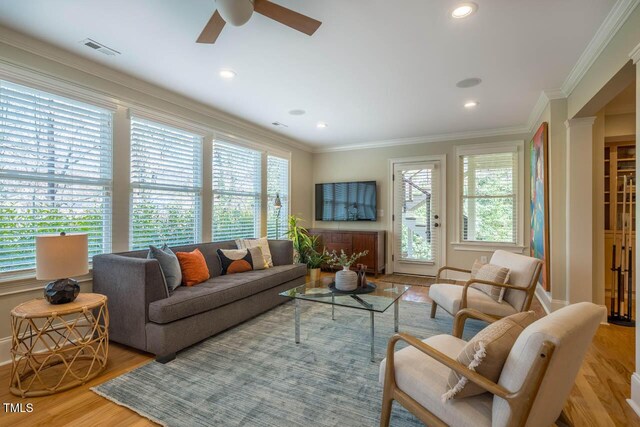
(535, 381)
(520, 289)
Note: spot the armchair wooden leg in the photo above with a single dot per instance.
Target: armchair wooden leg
(387, 403)
(434, 307)
(458, 324)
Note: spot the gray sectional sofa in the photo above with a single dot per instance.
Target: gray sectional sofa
(143, 315)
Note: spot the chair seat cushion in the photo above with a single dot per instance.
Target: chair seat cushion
(449, 297)
(424, 380)
(219, 291)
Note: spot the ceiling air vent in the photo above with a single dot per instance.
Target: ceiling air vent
(99, 47)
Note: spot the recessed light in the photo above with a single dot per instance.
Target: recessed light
(297, 112)
(470, 104)
(464, 10)
(227, 74)
(470, 82)
(321, 125)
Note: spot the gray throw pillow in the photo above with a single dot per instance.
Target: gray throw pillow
(168, 264)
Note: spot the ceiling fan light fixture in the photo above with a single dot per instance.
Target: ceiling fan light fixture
(464, 10)
(227, 74)
(235, 12)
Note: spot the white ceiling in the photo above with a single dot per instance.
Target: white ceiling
(375, 70)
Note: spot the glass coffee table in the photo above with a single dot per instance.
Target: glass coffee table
(384, 296)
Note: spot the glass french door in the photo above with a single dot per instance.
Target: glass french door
(417, 236)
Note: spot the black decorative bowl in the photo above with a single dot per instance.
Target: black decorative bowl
(370, 288)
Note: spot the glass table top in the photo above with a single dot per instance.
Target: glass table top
(379, 300)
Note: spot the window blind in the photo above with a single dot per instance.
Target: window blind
(277, 185)
(166, 185)
(236, 191)
(489, 197)
(55, 172)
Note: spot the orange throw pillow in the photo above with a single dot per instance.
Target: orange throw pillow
(193, 266)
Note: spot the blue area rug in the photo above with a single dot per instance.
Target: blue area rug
(255, 374)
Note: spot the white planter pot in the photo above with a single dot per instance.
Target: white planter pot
(346, 280)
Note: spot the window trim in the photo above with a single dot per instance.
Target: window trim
(490, 148)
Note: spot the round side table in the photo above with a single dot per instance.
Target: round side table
(57, 347)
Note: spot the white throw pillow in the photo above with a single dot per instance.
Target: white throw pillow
(261, 243)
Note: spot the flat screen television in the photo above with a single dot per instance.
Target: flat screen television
(346, 201)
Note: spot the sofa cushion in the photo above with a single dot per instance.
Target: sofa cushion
(193, 267)
(261, 243)
(235, 261)
(169, 265)
(219, 291)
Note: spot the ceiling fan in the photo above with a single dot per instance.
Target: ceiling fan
(238, 12)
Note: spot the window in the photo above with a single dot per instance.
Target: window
(236, 191)
(490, 180)
(55, 172)
(277, 187)
(165, 185)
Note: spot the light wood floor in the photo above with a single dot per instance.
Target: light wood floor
(597, 399)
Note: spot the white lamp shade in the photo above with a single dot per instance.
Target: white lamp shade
(61, 257)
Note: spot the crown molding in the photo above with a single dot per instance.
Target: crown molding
(635, 54)
(445, 137)
(226, 122)
(612, 23)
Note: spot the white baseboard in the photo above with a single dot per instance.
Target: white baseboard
(634, 400)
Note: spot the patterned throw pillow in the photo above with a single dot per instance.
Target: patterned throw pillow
(491, 273)
(169, 265)
(193, 267)
(261, 243)
(486, 354)
(235, 260)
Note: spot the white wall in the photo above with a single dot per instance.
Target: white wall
(373, 164)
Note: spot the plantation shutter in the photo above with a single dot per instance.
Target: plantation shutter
(166, 185)
(489, 197)
(55, 172)
(277, 185)
(236, 191)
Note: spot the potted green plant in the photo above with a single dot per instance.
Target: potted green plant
(346, 280)
(316, 259)
(300, 238)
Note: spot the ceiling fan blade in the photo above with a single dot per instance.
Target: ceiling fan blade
(212, 30)
(288, 17)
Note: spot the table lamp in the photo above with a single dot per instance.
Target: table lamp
(58, 257)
